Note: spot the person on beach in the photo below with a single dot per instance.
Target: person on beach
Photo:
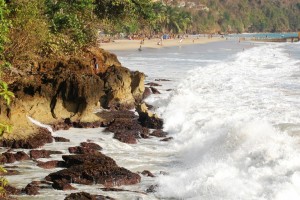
(95, 64)
(140, 49)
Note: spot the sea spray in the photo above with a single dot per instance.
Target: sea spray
(227, 121)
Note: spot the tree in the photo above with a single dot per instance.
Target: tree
(4, 26)
(73, 24)
(28, 31)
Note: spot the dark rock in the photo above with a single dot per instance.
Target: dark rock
(54, 152)
(51, 164)
(10, 157)
(91, 145)
(147, 173)
(151, 189)
(61, 126)
(62, 184)
(80, 196)
(86, 196)
(61, 139)
(10, 190)
(35, 141)
(159, 133)
(3, 159)
(149, 106)
(154, 90)
(31, 189)
(87, 124)
(147, 118)
(151, 84)
(162, 79)
(81, 150)
(99, 158)
(126, 137)
(166, 139)
(35, 154)
(147, 92)
(126, 129)
(21, 155)
(94, 169)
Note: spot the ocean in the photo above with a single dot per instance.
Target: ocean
(234, 115)
(233, 111)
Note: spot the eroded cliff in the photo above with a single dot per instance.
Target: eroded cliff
(68, 88)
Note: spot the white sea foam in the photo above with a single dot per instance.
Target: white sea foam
(48, 127)
(231, 122)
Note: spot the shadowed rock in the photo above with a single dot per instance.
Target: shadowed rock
(31, 189)
(147, 173)
(61, 139)
(125, 126)
(8, 157)
(147, 118)
(159, 133)
(51, 164)
(35, 154)
(86, 196)
(154, 90)
(34, 141)
(94, 169)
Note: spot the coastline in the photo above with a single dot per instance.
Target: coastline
(125, 44)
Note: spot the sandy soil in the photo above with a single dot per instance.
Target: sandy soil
(126, 44)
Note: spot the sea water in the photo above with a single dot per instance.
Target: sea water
(233, 111)
(234, 116)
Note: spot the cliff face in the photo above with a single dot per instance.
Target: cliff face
(68, 88)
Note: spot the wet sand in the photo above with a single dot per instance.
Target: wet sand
(126, 44)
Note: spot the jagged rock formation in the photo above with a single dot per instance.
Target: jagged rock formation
(67, 88)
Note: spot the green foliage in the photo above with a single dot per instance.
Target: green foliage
(28, 31)
(3, 183)
(248, 15)
(4, 26)
(7, 96)
(5, 93)
(72, 20)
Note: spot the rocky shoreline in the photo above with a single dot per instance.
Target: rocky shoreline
(67, 93)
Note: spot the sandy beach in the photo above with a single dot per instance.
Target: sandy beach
(126, 44)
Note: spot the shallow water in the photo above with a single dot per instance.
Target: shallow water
(233, 112)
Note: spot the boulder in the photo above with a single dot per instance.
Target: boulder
(125, 126)
(147, 118)
(35, 154)
(33, 141)
(154, 90)
(10, 190)
(61, 139)
(86, 196)
(147, 92)
(81, 150)
(147, 173)
(31, 189)
(94, 169)
(51, 164)
(90, 145)
(159, 133)
(21, 155)
(62, 184)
